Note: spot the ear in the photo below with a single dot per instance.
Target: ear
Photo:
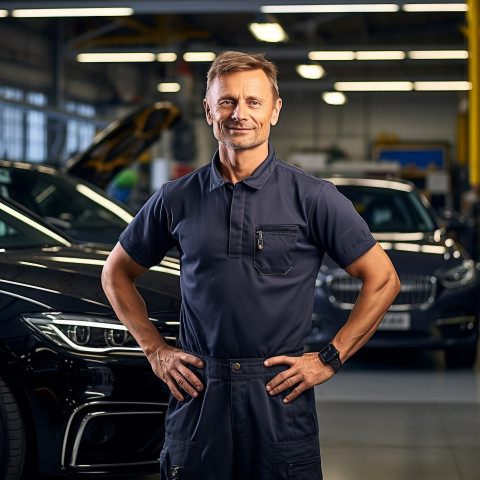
(208, 111)
(276, 111)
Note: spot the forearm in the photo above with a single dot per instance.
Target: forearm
(131, 311)
(373, 302)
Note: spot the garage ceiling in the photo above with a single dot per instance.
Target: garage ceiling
(180, 26)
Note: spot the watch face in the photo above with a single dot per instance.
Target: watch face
(329, 353)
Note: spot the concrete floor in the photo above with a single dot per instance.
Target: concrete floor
(398, 416)
(400, 420)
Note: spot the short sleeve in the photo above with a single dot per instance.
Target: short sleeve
(338, 228)
(147, 238)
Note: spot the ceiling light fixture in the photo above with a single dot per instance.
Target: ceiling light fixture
(334, 98)
(331, 55)
(435, 7)
(373, 86)
(268, 32)
(347, 55)
(72, 12)
(380, 55)
(116, 57)
(403, 86)
(199, 56)
(3, 13)
(437, 86)
(166, 57)
(438, 54)
(351, 8)
(168, 87)
(311, 72)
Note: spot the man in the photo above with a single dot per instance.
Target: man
(251, 231)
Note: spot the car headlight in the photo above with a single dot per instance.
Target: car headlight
(85, 333)
(459, 275)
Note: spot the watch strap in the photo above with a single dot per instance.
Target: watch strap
(329, 356)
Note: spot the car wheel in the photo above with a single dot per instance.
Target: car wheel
(462, 357)
(12, 435)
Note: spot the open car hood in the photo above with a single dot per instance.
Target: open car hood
(119, 145)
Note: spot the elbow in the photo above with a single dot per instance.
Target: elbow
(394, 284)
(104, 277)
(107, 275)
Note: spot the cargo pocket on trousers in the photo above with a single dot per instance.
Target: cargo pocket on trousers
(178, 460)
(274, 247)
(298, 460)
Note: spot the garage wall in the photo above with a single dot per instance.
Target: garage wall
(310, 124)
(27, 59)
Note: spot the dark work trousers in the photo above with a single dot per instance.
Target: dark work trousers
(235, 430)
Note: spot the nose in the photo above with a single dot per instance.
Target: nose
(239, 113)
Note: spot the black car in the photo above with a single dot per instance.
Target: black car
(77, 394)
(73, 198)
(438, 306)
(82, 210)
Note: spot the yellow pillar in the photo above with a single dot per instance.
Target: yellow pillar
(474, 95)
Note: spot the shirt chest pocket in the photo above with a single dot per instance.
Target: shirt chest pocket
(274, 248)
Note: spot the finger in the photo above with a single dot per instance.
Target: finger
(192, 360)
(280, 360)
(289, 382)
(280, 378)
(191, 378)
(184, 385)
(294, 393)
(175, 391)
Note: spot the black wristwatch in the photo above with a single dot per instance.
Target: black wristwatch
(330, 356)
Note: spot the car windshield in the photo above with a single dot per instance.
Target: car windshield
(389, 210)
(72, 206)
(18, 230)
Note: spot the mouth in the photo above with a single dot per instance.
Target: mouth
(237, 128)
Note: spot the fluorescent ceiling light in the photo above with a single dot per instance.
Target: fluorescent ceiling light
(168, 87)
(346, 55)
(438, 54)
(402, 86)
(334, 98)
(352, 8)
(116, 57)
(442, 86)
(72, 12)
(3, 13)
(380, 55)
(268, 32)
(166, 57)
(199, 56)
(312, 72)
(374, 86)
(331, 55)
(435, 7)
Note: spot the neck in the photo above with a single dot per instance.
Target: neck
(235, 165)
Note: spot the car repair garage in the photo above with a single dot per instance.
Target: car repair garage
(110, 105)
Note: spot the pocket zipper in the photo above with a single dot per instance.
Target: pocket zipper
(260, 240)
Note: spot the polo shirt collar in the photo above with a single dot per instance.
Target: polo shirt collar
(258, 178)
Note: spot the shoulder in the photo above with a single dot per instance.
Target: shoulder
(301, 177)
(186, 182)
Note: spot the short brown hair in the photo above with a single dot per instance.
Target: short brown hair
(232, 61)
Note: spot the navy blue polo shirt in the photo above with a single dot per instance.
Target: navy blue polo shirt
(250, 253)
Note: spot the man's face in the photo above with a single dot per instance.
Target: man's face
(241, 108)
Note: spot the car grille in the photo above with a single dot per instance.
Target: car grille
(416, 290)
